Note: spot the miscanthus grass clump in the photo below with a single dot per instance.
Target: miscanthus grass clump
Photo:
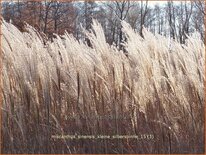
(65, 87)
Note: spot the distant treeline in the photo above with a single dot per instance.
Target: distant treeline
(172, 19)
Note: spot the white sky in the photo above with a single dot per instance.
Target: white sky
(157, 2)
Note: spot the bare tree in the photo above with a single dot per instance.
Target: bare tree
(200, 4)
(185, 15)
(89, 7)
(46, 16)
(171, 19)
(120, 10)
(143, 13)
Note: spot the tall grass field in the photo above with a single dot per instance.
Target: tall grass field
(149, 100)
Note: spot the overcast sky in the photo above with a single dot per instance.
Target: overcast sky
(156, 2)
